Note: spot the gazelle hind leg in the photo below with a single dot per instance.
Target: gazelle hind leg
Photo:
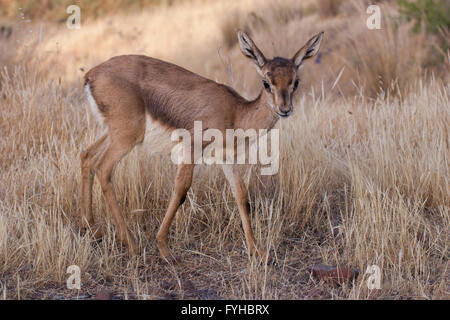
(119, 147)
(182, 184)
(88, 160)
(123, 114)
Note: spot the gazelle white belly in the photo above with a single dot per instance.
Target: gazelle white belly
(157, 138)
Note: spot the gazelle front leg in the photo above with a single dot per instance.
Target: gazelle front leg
(241, 195)
(182, 184)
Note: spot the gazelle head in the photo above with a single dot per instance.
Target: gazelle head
(280, 76)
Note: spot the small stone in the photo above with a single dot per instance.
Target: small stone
(104, 294)
(335, 274)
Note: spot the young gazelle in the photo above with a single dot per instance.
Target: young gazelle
(138, 96)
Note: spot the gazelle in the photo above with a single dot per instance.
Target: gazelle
(138, 96)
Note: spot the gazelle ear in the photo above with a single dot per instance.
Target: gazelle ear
(250, 50)
(309, 50)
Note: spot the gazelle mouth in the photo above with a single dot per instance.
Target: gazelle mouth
(284, 115)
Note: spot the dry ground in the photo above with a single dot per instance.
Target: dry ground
(362, 181)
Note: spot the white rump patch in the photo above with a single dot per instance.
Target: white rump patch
(93, 105)
(157, 138)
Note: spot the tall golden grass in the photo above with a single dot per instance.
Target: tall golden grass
(374, 62)
(363, 180)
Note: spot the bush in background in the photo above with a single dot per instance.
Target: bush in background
(434, 14)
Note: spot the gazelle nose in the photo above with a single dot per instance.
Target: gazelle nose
(285, 111)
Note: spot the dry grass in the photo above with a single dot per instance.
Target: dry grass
(376, 62)
(362, 181)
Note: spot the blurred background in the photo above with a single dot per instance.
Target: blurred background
(364, 177)
(201, 35)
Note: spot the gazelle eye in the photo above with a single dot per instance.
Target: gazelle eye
(266, 85)
(296, 84)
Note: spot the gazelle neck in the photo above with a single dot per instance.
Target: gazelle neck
(257, 114)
